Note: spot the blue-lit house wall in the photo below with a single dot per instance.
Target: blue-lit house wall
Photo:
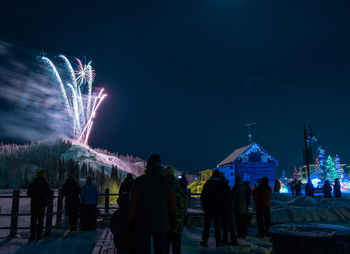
(251, 163)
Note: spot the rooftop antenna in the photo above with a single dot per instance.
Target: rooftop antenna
(249, 131)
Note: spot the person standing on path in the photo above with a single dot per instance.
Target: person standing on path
(262, 196)
(212, 199)
(152, 208)
(337, 190)
(240, 206)
(88, 206)
(71, 192)
(327, 189)
(277, 186)
(126, 185)
(175, 233)
(39, 192)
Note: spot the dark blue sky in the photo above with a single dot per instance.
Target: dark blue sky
(183, 77)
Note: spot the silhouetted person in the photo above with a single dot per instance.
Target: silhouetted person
(88, 206)
(175, 233)
(277, 186)
(71, 192)
(298, 188)
(262, 203)
(212, 200)
(153, 208)
(240, 207)
(126, 184)
(309, 189)
(293, 186)
(39, 191)
(121, 226)
(337, 190)
(226, 214)
(327, 189)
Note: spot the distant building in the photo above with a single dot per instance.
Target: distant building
(250, 162)
(206, 174)
(197, 186)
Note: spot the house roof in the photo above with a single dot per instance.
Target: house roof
(236, 153)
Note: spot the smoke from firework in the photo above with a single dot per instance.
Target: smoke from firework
(32, 105)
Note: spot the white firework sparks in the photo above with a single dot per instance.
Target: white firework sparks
(80, 111)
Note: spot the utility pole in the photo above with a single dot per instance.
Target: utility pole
(249, 131)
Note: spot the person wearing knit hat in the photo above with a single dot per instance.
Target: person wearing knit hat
(39, 192)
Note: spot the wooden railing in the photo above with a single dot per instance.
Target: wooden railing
(50, 213)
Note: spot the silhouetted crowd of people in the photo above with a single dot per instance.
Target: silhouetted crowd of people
(153, 208)
(78, 202)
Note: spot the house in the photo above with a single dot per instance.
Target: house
(197, 186)
(250, 162)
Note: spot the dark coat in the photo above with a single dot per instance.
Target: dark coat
(39, 191)
(327, 189)
(126, 185)
(337, 190)
(262, 196)
(153, 203)
(121, 226)
(277, 186)
(212, 196)
(71, 192)
(240, 204)
(89, 194)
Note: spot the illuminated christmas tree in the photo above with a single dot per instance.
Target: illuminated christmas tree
(320, 164)
(338, 167)
(332, 172)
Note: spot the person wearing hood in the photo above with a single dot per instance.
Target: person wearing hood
(152, 208)
(175, 233)
(126, 185)
(88, 206)
(39, 192)
(337, 190)
(71, 192)
(212, 199)
(327, 189)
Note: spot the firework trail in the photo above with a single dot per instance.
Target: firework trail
(81, 113)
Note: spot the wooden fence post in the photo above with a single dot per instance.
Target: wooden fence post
(14, 212)
(49, 212)
(59, 210)
(107, 201)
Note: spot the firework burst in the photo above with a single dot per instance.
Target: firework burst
(78, 104)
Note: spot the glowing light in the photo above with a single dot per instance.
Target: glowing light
(315, 182)
(80, 111)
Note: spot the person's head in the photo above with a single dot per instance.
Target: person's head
(336, 180)
(129, 176)
(153, 164)
(169, 171)
(277, 180)
(216, 173)
(264, 181)
(89, 180)
(42, 174)
(183, 175)
(70, 178)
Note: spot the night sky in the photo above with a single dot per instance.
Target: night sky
(184, 77)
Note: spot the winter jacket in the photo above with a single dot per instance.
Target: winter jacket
(337, 190)
(239, 199)
(153, 203)
(120, 226)
(262, 196)
(212, 196)
(89, 194)
(180, 203)
(327, 189)
(71, 192)
(126, 185)
(39, 191)
(277, 186)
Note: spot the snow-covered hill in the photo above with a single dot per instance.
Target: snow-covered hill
(97, 160)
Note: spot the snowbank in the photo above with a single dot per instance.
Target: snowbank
(307, 209)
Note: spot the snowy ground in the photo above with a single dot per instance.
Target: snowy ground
(284, 209)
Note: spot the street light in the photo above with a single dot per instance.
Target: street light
(308, 139)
